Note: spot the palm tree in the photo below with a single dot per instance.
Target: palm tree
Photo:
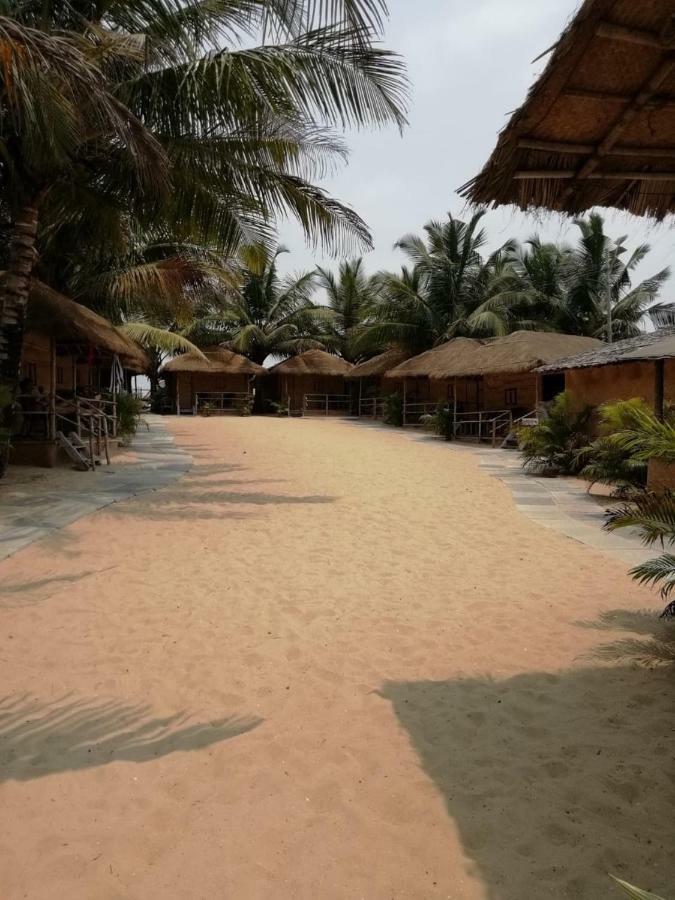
(143, 110)
(350, 295)
(450, 290)
(595, 269)
(266, 315)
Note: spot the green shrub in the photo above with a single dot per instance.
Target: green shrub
(244, 406)
(281, 409)
(552, 447)
(129, 409)
(393, 410)
(608, 460)
(440, 422)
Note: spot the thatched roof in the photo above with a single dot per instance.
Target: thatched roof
(657, 345)
(313, 362)
(378, 366)
(435, 363)
(598, 127)
(521, 351)
(219, 361)
(60, 317)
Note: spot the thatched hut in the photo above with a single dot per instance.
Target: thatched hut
(218, 382)
(495, 377)
(313, 382)
(71, 356)
(369, 376)
(421, 388)
(642, 366)
(598, 127)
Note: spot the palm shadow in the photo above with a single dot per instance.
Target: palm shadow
(554, 781)
(70, 734)
(655, 646)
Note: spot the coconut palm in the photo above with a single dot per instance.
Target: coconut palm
(595, 267)
(350, 295)
(449, 290)
(266, 315)
(225, 140)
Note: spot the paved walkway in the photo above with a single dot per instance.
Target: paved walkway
(27, 515)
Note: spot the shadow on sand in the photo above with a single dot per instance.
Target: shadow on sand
(553, 780)
(68, 734)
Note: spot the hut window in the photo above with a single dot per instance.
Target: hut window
(59, 374)
(511, 396)
(30, 371)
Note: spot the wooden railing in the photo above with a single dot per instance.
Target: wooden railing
(483, 425)
(371, 407)
(220, 401)
(326, 404)
(413, 410)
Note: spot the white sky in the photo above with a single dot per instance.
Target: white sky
(470, 65)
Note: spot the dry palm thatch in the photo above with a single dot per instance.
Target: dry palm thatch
(522, 351)
(437, 362)
(378, 366)
(59, 317)
(598, 127)
(313, 362)
(218, 361)
(657, 345)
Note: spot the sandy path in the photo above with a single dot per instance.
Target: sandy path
(330, 662)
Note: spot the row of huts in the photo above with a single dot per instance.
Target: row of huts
(487, 383)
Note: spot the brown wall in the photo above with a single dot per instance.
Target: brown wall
(604, 384)
(36, 364)
(191, 383)
(296, 386)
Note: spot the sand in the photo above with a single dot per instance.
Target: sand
(330, 662)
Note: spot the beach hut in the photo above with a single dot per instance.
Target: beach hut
(74, 362)
(642, 366)
(422, 394)
(369, 378)
(222, 382)
(313, 382)
(598, 127)
(488, 383)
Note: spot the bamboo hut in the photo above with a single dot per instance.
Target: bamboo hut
(489, 383)
(422, 393)
(222, 382)
(598, 127)
(642, 366)
(369, 376)
(313, 382)
(73, 364)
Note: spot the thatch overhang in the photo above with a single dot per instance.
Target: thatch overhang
(378, 366)
(516, 353)
(219, 361)
(644, 347)
(313, 362)
(52, 314)
(598, 126)
(435, 363)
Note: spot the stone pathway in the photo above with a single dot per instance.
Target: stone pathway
(563, 504)
(28, 515)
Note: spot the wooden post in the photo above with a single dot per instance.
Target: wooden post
(177, 394)
(480, 425)
(105, 439)
(326, 405)
(78, 417)
(405, 395)
(360, 395)
(454, 409)
(51, 426)
(92, 464)
(659, 367)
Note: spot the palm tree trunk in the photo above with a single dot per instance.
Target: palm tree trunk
(14, 291)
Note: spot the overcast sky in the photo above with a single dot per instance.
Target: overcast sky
(470, 64)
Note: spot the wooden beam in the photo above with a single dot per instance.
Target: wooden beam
(659, 102)
(555, 146)
(629, 35)
(562, 175)
(581, 149)
(624, 119)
